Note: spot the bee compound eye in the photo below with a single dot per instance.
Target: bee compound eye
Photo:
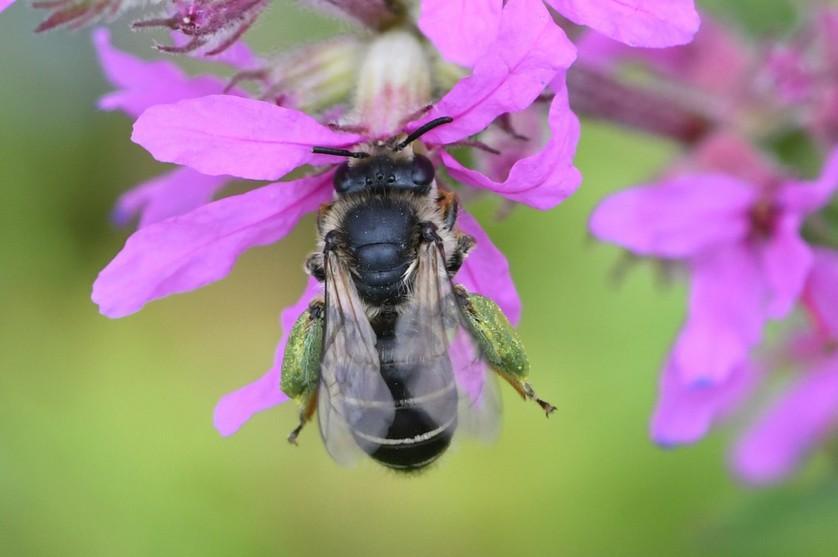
(423, 171)
(342, 179)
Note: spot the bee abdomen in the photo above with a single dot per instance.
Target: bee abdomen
(420, 433)
(421, 430)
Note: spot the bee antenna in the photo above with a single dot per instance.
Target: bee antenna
(422, 130)
(339, 152)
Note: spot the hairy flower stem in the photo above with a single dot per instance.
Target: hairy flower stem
(598, 95)
(375, 14)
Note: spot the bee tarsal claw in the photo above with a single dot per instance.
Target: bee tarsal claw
(292, 437)
(529, 393)
(546, 406)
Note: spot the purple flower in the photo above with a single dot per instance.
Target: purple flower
(462, 29)
(792, 78)
(802, 74)
(5, 4)
(142, 84)
(807, 412)
(256, 140)
(227, 135)
(741, 243)
(684, 413)
(168, 195)
(717, 62)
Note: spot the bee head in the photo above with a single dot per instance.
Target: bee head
(389, 167)
(385, 172)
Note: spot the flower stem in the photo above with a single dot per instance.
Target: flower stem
(596, 94)
(375, 14)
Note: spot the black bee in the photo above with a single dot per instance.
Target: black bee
(386, 357)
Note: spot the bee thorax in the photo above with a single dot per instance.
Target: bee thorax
(379, 239)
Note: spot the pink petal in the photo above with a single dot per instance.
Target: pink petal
(236, 408)
(172, 194)
(726, 315)
(652, 23)
(786, 260)
(708, 62)
(529, 51)
(823, 119)
(239, 56)
(806, 197)
(734, 155)
(822, 288)
(685, 413)
(486, 270)
(542, 180)
(460, 29)
(5, 4)
(529, 124)
(190, 251)
(791, 74)
(676, 218)
(826, 18)
(222, 134)
(141, 84)
(596, 50)
(470, 371)
(774, 447)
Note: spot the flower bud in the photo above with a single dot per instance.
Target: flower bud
(316, 77)
(212, 26)
(394, 82)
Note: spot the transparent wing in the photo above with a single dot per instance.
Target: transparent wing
(431, 340)
(354, 404)
(479, 401)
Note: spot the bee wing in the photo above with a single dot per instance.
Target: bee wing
(354, 402)
(479, 395)
(430, 334)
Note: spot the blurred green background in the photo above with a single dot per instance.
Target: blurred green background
(106, 441)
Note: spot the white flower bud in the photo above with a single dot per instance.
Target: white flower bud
(393, 84)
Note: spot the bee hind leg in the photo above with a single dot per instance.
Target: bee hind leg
(301, 362)
(306, 413)
(526, 391)
(499, 344)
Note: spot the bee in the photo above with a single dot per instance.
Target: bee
(395, 355)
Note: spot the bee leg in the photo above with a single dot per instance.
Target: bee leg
(448, 206)
(301, 362)
(456, 260)
(306, 413)
(526, 391)
(499, 343)
(314, 266)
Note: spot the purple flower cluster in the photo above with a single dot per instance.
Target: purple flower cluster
(185, 240)
(747, 228)
(733, 217)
